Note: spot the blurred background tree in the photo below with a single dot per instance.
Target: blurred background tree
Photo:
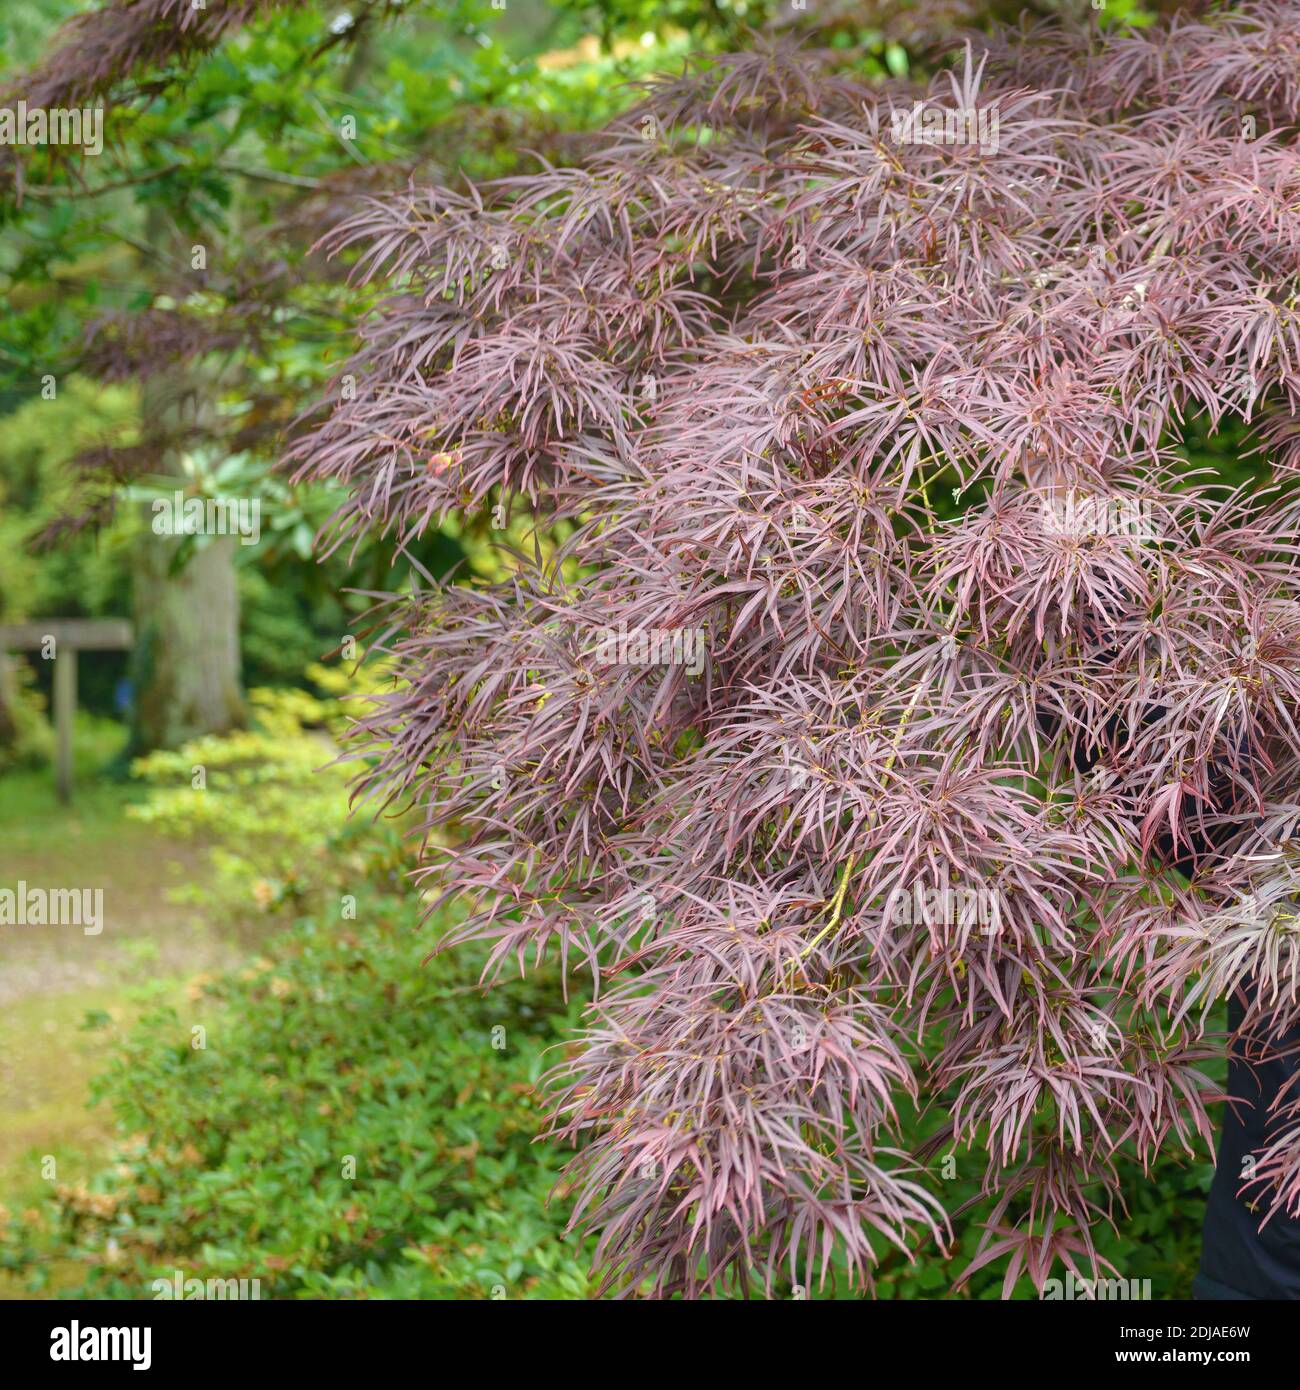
(174, 271)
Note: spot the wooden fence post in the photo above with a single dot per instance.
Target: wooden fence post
(67, 636)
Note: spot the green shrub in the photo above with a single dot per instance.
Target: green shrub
(273, 804)
(338, 1053)
(337, 1041)
(26, 736)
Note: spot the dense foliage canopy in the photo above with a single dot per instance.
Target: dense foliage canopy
(876, 413)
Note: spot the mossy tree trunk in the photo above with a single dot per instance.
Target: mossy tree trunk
(185, 669)
(187, 644)
(8, 702)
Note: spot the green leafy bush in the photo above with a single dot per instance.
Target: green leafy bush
(336, 1054)
(273, 803)
(337, 1049)
(26, 738)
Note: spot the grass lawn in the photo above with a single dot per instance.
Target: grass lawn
(53, 977)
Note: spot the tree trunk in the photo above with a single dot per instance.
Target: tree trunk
(186, 661)
(185, 668)
(8, 702)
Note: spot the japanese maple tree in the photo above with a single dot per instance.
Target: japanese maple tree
(877, 389)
